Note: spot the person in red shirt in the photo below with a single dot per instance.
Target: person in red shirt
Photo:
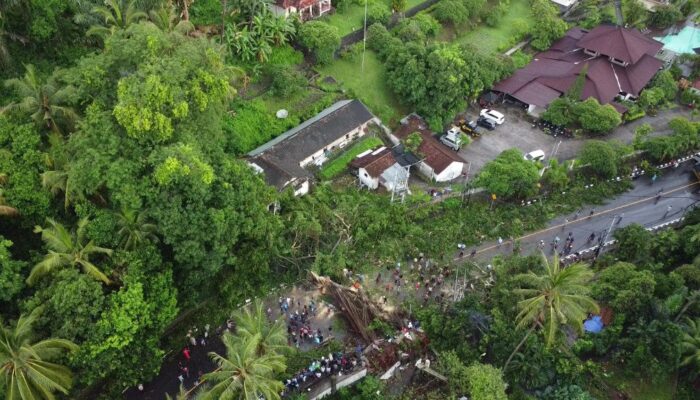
(186, 353)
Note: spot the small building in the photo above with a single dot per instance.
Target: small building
(565, 5)
(437, 162)
(285, 159)
(381, 167)
(306, 9)
(618, 62)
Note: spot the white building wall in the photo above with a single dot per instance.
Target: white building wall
(319, 156)
(367, 180)
(425, 170)
(302, 189)
(453, 171)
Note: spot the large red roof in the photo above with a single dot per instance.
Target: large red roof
(628, 45)
(553, 72)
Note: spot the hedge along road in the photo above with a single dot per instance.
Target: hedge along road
(641, 205)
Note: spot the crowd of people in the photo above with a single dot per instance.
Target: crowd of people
(335, 364)
(299, 329)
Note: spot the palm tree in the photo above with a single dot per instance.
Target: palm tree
(558, 297)
(134, 228)
(244, 374)
(59, 181)
(67, 249)
(6, 210)
(691, 344)
(253, 321)
(117, 14)
(45, 101)
(167, 20)
(27, 373)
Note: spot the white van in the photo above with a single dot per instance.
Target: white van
(493, 115)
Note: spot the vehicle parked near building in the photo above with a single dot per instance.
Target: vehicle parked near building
(486, 123)
(452, 138)
(494, 115)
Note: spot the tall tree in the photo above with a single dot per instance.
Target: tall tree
(27, 372)
(134, 228)
(117, 14)
(243, 373)
(167, 20)
(253, 321)
(45, 101)
(691, 344)
(67, 249)
(6, 210)
(557, 297)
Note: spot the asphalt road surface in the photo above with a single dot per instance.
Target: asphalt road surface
(641, 205)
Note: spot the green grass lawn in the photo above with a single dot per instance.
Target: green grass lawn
(352, 18)
(641, 389)
(488, 39)
(369, 85)
(334, 167)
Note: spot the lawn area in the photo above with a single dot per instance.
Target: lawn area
(352, 18)
(369, 85)
(641, 389)
(334, 167)
(488, 39)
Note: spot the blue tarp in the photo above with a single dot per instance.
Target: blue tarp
(594, 324)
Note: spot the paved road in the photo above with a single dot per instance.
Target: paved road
(640, 205)
(518, 132)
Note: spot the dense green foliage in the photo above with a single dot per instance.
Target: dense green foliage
(589, 115)
(509, 176)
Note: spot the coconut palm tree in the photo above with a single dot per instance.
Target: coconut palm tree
(244, 374)
(253, 321)
(117, 14)
(58, 181)
(134, 228)
(24, 365)
(557, 297)
(691, 344)
(44, 101)
(6, 210)
(67, 249)
(167, 20)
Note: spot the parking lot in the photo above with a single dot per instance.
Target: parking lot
(518, 132)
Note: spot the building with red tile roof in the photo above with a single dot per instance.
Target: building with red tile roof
(620, 62)
(438, 162)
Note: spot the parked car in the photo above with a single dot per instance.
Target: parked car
(452, 138)
(471, 128)
(486, 123)
(494, 115)
(537, 155)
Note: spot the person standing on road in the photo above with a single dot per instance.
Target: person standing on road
(591, 213)
(668, 210)
(500, 241)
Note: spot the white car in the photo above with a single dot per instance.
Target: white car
(537, 155)
(493, 115)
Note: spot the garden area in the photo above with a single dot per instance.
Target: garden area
(494, 39)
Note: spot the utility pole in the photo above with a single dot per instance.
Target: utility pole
(466, 178)
(364, 39)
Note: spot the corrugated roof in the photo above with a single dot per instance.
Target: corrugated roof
(287, 151)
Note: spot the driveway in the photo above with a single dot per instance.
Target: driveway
(518, 132)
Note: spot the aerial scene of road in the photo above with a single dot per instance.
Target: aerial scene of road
(350, 199)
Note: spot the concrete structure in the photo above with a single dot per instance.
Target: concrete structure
(437, 161)
(565, 5)
(618, 63)
(284, 159)
(375, 167)
(306, 9)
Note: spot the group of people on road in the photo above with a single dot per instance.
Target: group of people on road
(335, 364)
(423, 278)
(299, 329)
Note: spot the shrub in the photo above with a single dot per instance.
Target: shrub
(451, 11)
(321, 39)
(597, 118)
(690, 98)
(509, 176)
(428, 24)
(600, 156)
(286, 81)
(520, 59)
(378, 13)
(285, 55)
